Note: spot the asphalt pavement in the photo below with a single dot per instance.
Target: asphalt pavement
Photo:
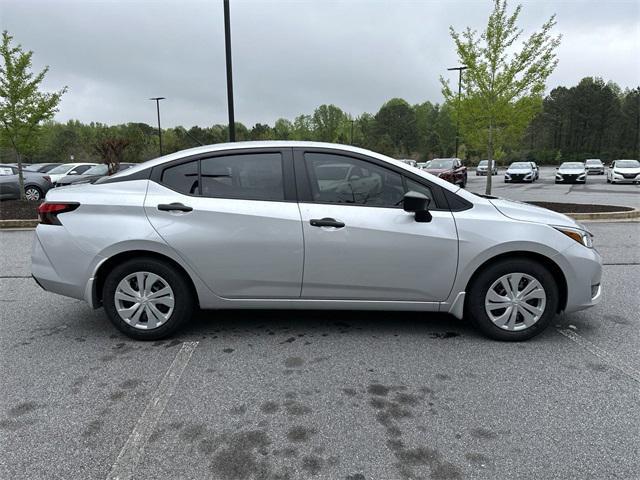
(319, 395)
(595, 191)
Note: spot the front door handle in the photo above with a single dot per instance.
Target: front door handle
(174, 207)
(326, 222)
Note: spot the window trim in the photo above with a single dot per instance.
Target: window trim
(288, 185)
(303, 178)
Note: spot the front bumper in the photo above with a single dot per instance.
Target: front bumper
(582, 268)
(571, 178)
(516, 177)
(618, 178)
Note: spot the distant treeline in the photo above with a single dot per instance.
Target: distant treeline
(593, 119)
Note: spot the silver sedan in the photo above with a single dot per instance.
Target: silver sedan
(301, 225)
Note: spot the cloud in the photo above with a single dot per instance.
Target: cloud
(288, 56)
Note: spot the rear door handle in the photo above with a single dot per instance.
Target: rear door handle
(326, 222)
(174, 207)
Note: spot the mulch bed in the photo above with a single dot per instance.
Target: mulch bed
(580, 207)
(18, 210)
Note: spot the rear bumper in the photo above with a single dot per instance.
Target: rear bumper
(62, 267)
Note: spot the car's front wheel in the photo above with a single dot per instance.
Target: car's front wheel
(513, 300)
(147, 299)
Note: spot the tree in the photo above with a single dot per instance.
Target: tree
(503, 85)
(326, 121)
(111, 151)
(397, 120)
(22, 105)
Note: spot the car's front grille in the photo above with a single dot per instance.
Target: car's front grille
(569, 177)
(516, 176)
(629, 176)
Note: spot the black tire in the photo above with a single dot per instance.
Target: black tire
(475, 299)
(184, 298)
(37, 193)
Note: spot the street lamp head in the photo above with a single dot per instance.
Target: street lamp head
(157, 98)
(463, 67)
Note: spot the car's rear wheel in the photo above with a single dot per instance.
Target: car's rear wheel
(513, 300)
(33, 193)
(147, 299)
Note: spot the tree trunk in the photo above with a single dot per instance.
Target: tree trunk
(487, 190)
(20, 177)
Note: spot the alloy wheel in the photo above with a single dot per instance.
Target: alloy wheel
(32, 194)
(515, 301)
(144, 300)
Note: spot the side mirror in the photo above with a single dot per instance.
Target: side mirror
(417, 203)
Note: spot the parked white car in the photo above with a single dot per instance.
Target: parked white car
(251, 225)
(60, 171)
(594, 166)
(624, 171)
(520, 172)
(571, 172)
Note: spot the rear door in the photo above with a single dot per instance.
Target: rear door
(237, 222)
(359, 242)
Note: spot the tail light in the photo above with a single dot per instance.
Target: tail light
(47, 178)
(48, 212)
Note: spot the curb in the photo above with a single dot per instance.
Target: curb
(18, 223)
(621, 215)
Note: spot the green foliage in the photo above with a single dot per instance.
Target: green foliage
(503, 83)
(23, 107)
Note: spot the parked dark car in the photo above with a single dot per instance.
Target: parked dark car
(450, 169)
(94, 173)
(42, 167)
(36, 185)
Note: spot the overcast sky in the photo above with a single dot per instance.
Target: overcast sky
(288, 56)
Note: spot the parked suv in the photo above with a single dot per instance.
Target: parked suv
(259, 225)
(483, 168)
(450, 169)
(594, 166)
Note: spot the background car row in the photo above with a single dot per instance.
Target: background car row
(38, 178)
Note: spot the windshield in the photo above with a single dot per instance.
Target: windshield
(97, 170)
(521, 165)
(61, 169)
(483, 163)
(440, 163)
(627, 164)
(593, 162)
(572, 165)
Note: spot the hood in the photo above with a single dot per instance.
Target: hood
(627, 170)
(437, 171)
(571, 171)
(530, 213)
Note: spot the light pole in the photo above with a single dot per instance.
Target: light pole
(459, 69)
(227, 44)
(157, 100)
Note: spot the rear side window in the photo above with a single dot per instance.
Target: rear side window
(182, 178)
(244, 176)
(252, 176)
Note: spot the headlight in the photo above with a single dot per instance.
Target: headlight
(581, 236)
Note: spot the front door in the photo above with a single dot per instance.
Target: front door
(359, 242)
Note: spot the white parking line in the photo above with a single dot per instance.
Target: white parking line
(600, 353)
(125, 465)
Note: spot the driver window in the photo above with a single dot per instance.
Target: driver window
(346, 180)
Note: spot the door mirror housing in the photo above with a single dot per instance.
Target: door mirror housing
(417, 203)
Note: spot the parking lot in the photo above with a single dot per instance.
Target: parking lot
(595, 191)
(296, 395)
